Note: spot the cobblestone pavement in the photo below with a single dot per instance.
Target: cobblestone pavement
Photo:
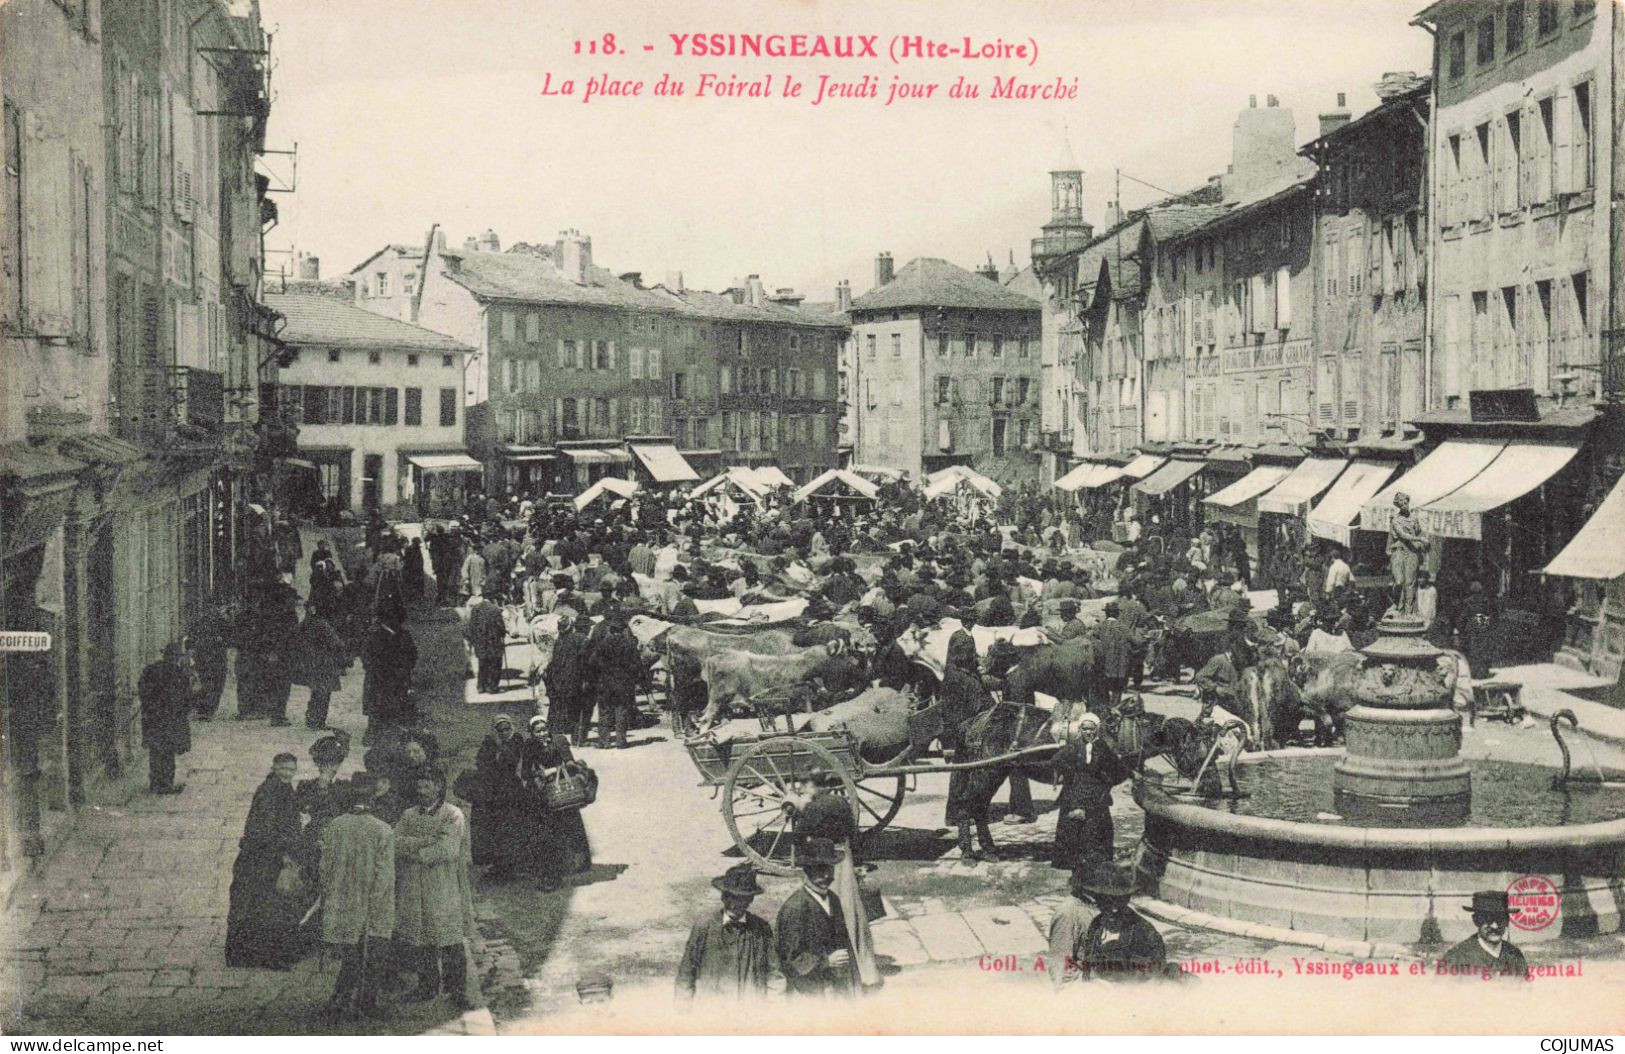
(124, 932)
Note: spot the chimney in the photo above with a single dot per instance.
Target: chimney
(674, 281)
(633, 279)
(310, 268)
(883, 269)
(786, 297)
(1271, 100)
(439, 240)
(755, 292)
(1114, 214)
(1335, 119)
(1252, 102)
(1262, 142)
(989, 270)
(489, 242)
(572, 255)
(471, 245)
(1398, 83)
(843, 296)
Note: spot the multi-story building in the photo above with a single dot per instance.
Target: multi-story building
(948, 371)
(1174, 325)
(1054, 255)
(569, 359)
(134, 341)
(377, 403)
(1370, 307)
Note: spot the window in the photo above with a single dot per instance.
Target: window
(896, 345)
(1023, 389)
(1582, 302)
(795, 342)
(411, 360)
(1514, 30)
(970, 345)
(820, 384)
(1487, 182)
(333, 354)
(1458, 55)
(1546, 18)
(635, 358)
(374, 358)
(764, 381)
(942, 345)
(998, 346)
(1486, 40)
(869, 345)
(414, 406)
(1584, 9)
(445, 360)
(1001, 427)
(510, 324)
(634, 414)
(448, 407)
(1514, 172)
(679, 385)
(1584, 171)
(652, 364)
(792, 383)
(409, 283)
(600, 417)
(1024, 432)
(998, 391)
(724, 381)
(603, 355)
(1543, 177)
(533, 327)
(1023, 349)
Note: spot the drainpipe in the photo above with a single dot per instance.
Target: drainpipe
(1429, 204)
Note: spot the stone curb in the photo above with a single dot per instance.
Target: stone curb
(1182, 916)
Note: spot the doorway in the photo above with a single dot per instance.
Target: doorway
(372, 478)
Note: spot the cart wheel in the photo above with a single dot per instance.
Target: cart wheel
(766, 784)
(879, 799)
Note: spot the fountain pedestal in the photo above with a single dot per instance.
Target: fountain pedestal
(1403, 764)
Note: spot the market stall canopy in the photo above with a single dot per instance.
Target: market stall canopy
(1333, 518)
(767, 477)
(878, 471)
(742, 479)
(1598, 551)
(445, 463)
(1291, 496)
(664, 463)
(951, 479)
(1516, 471)
(1451, 465)
(1143, 465)
(1090, 475)
(1237, 503)
(1169, 476)
(624, 488)
(862, 487)
(598, 456)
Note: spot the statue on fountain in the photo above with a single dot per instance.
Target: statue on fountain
(1406, 544)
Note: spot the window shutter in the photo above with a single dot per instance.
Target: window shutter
(558, 358)
(614, 415)
(1353, 373)
(612, 354)
(1283, 298)
(392, 406)
(1326, 391)
(349, 405)
(47, 259)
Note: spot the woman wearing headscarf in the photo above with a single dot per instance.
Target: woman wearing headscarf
(499, 809)
(561, 842)
(1088, 770)
(262, 920)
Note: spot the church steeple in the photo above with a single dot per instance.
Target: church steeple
(1066, 228)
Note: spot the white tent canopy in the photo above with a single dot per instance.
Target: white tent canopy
(878, 471)
(766, 477)
(955, 476)
(857, 483)
(624, 488)
(744, 480)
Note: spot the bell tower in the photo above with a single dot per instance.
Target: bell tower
(1066, 228)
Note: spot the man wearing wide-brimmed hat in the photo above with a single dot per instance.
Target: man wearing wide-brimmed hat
(1119, 945)
(1488, 950)
(729, 953)
(814, 947)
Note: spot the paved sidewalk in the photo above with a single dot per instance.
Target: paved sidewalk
(124, 932)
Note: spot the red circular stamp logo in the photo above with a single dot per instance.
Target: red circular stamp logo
(1536, 901)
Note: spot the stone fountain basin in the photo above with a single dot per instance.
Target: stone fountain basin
(1404, 885)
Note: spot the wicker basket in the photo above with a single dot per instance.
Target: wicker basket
(574, 786)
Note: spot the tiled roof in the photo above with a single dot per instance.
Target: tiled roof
(321, 320)
(1026, 283)
(929, 282)
(411, 252)
(1180, 219)
(1119, 243)
(533, 279)
(703, 304)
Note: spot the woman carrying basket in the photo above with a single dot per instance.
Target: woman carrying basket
(562, 847)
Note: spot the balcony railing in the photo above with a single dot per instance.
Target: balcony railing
(172, 405)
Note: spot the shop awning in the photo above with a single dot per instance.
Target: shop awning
(877, 471)
(1090, 475)
(1445, 470)
(445, 463)
(1169, 476)
(1333, 518)
(598, 456)
(1519, 469)
(1598, 551)
(526, 453)
(1142, 466)
(664, 463)
(623, 488)
(1247, 487)
(1291, 496)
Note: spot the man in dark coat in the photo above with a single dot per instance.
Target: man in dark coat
(1119, 945)
(207, 646)
(961, 645)
(1088, 770)
(322, 657)
(488, 636)
(1487, 953)
(166, 690)
(1113, 646)
(729, 953)
(262, 923)
(279, 638)
(814, 948)
(618, 669)
(388, 657)
(563, 680)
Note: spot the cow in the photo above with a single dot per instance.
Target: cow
(1064, 671)
(659, 636)
(733, 677)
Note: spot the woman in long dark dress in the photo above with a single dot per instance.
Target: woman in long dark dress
(501, 815)
(1088, 770)
(561, 837)
(262, 924)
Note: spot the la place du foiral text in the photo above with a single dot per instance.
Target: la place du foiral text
(815, 90)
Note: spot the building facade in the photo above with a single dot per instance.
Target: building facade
(1054, 256)
(948, 372)
(565, 352)
(378, 405)
(134, 341)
